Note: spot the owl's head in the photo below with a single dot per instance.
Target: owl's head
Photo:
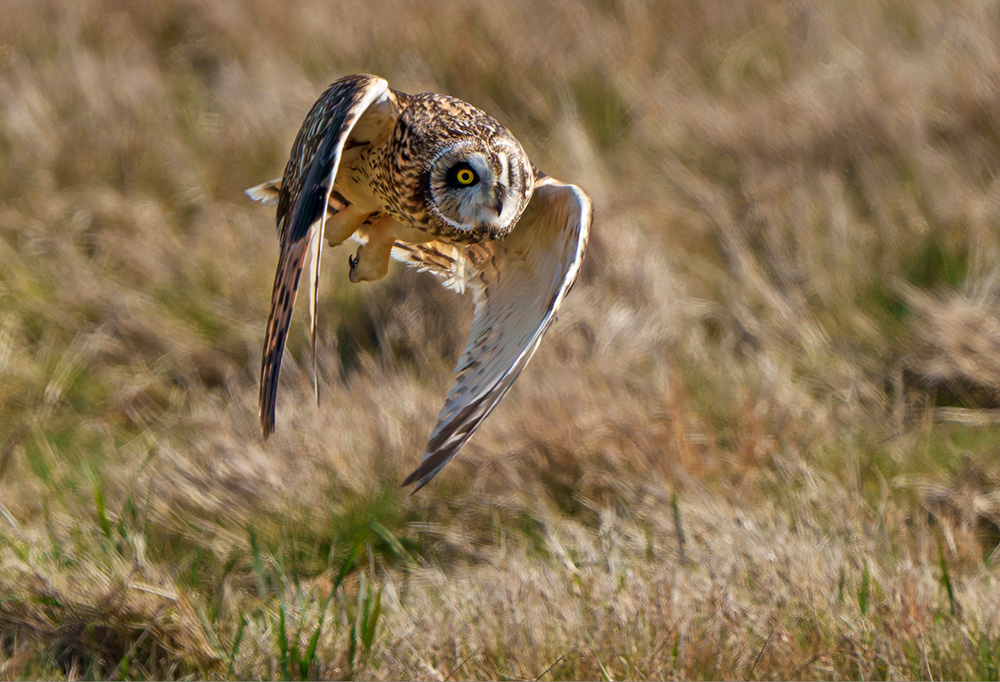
(479, 187)
(474, 179)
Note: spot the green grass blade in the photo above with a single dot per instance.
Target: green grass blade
(237, 640)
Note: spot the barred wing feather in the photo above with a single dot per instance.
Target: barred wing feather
(518, 285)
(303, 197)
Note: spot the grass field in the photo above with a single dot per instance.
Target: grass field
(761, 441)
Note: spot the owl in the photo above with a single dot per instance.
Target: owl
(437, 184)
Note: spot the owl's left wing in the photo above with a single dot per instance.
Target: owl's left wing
(359, 104)
(518, 284)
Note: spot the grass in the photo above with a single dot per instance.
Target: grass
(760, 442)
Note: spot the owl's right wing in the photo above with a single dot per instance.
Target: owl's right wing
(350, 111)
(518, 284)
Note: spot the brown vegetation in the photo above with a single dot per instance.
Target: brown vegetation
(760, 441)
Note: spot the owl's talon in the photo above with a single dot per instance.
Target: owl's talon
(355, 275)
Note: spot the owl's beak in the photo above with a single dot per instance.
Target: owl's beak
(498, 196)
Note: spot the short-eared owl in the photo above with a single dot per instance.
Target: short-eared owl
(437, 184)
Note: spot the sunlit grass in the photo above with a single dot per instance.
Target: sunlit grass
(760, 442)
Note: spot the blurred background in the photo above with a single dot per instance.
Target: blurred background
(760, 441)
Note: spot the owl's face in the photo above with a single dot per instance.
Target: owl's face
(479, 187)
(464, 175)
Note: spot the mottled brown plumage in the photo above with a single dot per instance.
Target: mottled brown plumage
(439, 185)
(401, 178)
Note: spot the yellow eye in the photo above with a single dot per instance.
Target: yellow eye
(461, 175)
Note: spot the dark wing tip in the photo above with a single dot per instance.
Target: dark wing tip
(432, 464)
(268, 400)
(416, 475)
(286, 282)
(447, 441)
(413, 478)
(422, 475)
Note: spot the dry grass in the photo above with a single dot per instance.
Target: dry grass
(761, 441)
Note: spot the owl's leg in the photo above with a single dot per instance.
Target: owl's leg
(342, 224)
(372, 261)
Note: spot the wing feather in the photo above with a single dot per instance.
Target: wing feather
(445, 261)
(315, 250)
(518, 284)
(303, 197)
(266, 193)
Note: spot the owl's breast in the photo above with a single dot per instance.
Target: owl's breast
(400, 190)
